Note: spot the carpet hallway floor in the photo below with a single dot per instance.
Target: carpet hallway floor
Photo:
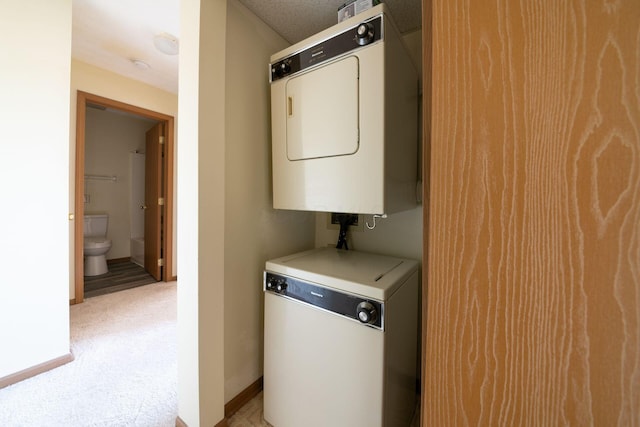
(124, 372)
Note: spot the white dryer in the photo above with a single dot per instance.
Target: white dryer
(344, 120)
(340, 339)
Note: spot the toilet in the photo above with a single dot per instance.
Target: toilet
(96, 244)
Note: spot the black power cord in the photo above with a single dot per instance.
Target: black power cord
(344, 220)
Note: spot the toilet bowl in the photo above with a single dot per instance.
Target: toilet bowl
(96, 244)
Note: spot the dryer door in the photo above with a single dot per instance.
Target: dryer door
(323, 111)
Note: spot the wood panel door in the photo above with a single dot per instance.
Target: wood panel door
(533, 301)
(154, 201)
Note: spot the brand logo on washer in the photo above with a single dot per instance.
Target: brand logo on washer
(315, 294)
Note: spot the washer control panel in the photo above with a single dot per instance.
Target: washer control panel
(354, 307)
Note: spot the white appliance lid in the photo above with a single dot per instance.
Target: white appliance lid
(370, 275)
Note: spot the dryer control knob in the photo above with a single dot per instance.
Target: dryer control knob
(284, 68)
(364, 33)
(367, 312)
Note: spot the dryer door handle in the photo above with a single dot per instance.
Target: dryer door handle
(290, 106)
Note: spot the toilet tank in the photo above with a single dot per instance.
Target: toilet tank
(95, 225)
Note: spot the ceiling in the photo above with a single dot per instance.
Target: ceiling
(295, 20)
(110, 34)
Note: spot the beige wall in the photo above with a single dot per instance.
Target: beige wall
(87, 78)
(34, 177)
(398, 235)
(201, 214)
(254, 231)
(110, 137)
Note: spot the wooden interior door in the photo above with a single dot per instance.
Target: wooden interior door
(154, 201)
(533, 301)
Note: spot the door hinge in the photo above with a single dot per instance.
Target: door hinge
(160, 262)
(161, 140)
(161, 201)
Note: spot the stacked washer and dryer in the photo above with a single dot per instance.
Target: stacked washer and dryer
(341, 327)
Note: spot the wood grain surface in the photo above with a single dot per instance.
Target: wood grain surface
(533, 291)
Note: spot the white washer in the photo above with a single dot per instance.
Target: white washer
(340, 345)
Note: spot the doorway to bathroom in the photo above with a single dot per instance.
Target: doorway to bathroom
(155, 205)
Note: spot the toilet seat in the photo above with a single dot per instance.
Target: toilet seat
(96, 242)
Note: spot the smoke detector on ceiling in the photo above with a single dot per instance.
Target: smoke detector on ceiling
(166, 43)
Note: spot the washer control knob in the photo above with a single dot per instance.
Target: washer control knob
(367, 312)
(281, 286)
(271, 283)
(365, 33)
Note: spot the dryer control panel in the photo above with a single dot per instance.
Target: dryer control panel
(363, 34)
(366, 311)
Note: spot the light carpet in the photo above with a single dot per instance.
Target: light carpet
(124, 372)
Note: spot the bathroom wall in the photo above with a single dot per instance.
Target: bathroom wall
(110, 137)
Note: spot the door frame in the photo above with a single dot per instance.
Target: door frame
(84, 98)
